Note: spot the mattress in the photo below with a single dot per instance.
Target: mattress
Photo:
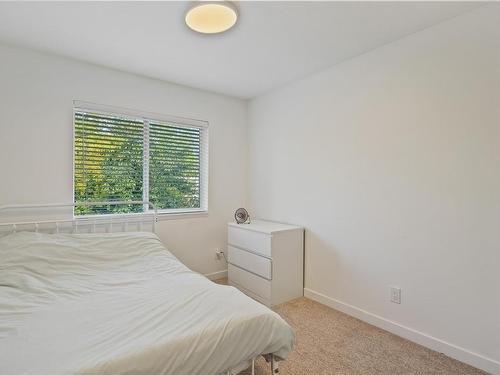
(120, 303)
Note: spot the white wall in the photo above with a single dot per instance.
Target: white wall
(36, 94)
(392, 162)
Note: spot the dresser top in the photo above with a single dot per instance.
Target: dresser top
(263, 226)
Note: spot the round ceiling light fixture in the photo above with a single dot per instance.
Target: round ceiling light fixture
(211, 17)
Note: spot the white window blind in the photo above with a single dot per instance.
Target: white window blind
(121, 156)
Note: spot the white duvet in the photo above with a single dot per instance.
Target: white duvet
(122, 304)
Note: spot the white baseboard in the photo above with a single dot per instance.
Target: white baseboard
(216, 275)
(454, 351)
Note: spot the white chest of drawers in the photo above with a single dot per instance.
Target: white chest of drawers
(266, 260)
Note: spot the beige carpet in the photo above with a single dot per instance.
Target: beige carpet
(331, 342)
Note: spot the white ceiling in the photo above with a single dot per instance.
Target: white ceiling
(273, 43)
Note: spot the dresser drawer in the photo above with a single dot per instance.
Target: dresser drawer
(250, 262)
(247, 239)
(253, 283)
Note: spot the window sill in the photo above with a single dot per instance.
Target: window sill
(162, 216)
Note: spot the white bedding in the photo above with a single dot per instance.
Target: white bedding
(122, 304)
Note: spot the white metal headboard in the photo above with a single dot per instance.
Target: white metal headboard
(84, 224)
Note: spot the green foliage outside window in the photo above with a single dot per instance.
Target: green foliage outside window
(110, 164)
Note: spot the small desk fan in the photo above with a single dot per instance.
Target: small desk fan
(241, 216)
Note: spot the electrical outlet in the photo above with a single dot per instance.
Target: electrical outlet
(395, 294)
(219, 254)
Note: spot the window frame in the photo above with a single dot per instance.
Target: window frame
(173, 213)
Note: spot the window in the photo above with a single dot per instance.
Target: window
(119, 155)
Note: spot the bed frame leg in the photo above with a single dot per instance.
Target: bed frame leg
(253, 366)
(274, 366)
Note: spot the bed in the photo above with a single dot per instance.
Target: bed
(121, 303)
